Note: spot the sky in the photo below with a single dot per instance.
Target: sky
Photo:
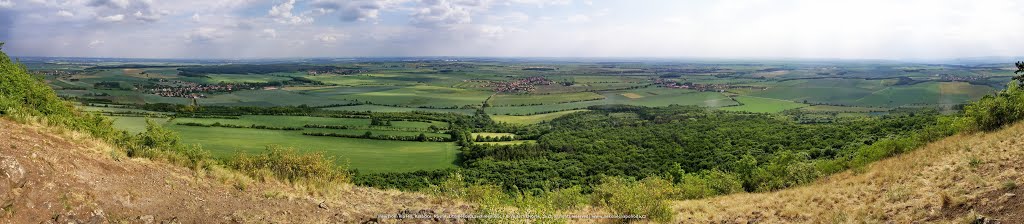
(833, 29)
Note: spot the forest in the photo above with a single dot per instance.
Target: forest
(763, 152)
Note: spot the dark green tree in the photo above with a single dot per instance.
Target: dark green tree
(1020, 69)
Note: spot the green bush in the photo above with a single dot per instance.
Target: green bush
(646, 197)
(993, 111)
(290, 165)
(24, 96)
(708, 183)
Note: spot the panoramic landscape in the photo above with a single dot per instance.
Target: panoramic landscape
(510, 112)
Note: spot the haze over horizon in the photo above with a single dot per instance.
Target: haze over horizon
(870, 29)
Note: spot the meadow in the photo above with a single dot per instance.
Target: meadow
(364, 155)
(762, 105)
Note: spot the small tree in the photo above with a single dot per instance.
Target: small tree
(422, 137)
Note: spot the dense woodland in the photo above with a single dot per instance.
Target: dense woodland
(639, 142)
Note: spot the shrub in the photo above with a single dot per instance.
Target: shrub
(993, 111)
(289, 165)
(24, 96)
(708, 183)
(646, 197)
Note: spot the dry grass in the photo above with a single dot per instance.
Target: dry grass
(67, 172)
(632, 95)
(948, 181)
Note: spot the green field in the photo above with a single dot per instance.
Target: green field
(237, 78)
(420, 95)
(528, 99)
(378, 108)
(363, 154)
(516, 142)
(762, 105)
(299, 121)
(134, 124)
(492, 135)
(531, 119)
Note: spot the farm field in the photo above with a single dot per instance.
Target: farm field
(364, 155)
(407, 99)
(378, 108)
(299, 121)
(420, 95)
(555, 98)
(532, 119)
(762, 105)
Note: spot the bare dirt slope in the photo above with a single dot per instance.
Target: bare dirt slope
(960, 179)
(64, 178)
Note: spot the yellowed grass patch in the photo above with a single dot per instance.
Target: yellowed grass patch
(632, 95)
(932, 184)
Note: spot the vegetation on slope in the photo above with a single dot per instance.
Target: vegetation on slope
(966, 178)
(24, 97)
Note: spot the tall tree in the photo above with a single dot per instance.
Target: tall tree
(1020, 69)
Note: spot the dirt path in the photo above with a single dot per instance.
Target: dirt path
(61, 178)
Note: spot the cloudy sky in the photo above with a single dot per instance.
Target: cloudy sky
(852, 29)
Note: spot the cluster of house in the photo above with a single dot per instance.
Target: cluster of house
(519, 85)
(61, 74)
(195, 90)
(955, 78)
(697, 86)
(334, 72)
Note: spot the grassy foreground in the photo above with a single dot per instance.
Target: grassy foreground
(956, 180)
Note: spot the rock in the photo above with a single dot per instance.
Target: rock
(323, 205)
(12, 171)
(146, 219)
(12, 176)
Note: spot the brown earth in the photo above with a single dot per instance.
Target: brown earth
(66, 177)
(968, 178)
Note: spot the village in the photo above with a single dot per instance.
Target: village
(519, 86)
(700, 87)
(195, 90)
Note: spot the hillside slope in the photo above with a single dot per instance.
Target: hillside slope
(70, 178)
(960, 179)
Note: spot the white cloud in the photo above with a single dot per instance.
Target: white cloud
(699, 28)
(282, 13)
(578, 18)
(6, 4)
(489, 31)
(111, 18)
(120, 4)
(64, 13)
(446, 13)
(354, 10)
(146, 17)
(204, 34)
(269, 33)
(95, 43)
(327, 38)
(542, 3)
